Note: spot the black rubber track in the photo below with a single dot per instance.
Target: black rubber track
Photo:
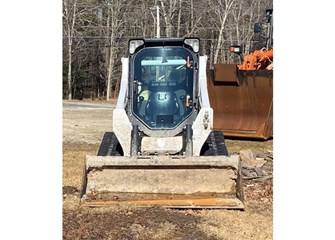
(110, 146)
(214, 145)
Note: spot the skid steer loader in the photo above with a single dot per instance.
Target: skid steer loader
(162, 150)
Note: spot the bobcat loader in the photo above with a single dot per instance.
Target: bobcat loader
(162, 151)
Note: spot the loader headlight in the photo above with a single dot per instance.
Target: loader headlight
(133, 44)
(193, 42)
(235, 49)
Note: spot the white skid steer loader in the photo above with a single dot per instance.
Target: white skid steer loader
(162, 150)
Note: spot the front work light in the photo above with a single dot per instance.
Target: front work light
(235, 49)
(193, 42)
(133, 44)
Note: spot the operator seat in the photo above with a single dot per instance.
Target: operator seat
(174, 76)
(162, 109)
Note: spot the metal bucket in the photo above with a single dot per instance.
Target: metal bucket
(167, 181)
(242, 101)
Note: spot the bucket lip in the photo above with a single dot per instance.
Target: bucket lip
(232, 161)
(199, 203)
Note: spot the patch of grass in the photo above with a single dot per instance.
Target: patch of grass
(237, 225)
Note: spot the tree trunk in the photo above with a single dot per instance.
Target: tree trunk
(211, 52)
(70, 30)
(228, 4)
(179, 18)
(69, 73)
(192, 15)
(107, 52)
(110, 66)
(168, 15)
(219, 44)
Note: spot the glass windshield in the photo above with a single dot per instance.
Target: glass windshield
(163, 86)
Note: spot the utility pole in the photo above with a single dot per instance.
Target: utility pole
(158, 29)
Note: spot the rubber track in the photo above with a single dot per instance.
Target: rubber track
(214, 145)
(110, 146)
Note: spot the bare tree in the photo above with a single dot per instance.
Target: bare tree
(96, 33)
(116, 18)
(179, 17)
(169, 15)
(69, 15)
(221, 9)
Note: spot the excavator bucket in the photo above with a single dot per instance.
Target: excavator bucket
(241, 100)
(167, 181)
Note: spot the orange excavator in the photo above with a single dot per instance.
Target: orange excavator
(257, 60)
(242, 95)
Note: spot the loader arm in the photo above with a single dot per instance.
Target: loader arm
(203, 124)
(123, 131)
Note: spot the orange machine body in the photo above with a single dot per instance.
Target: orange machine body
(259, 59)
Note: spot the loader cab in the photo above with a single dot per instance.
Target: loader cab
(162, 80)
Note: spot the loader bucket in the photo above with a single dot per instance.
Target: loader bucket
(167, 181)
(241, 100)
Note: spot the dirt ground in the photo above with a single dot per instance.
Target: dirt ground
(83, 129)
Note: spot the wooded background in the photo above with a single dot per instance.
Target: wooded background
(96, 34)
